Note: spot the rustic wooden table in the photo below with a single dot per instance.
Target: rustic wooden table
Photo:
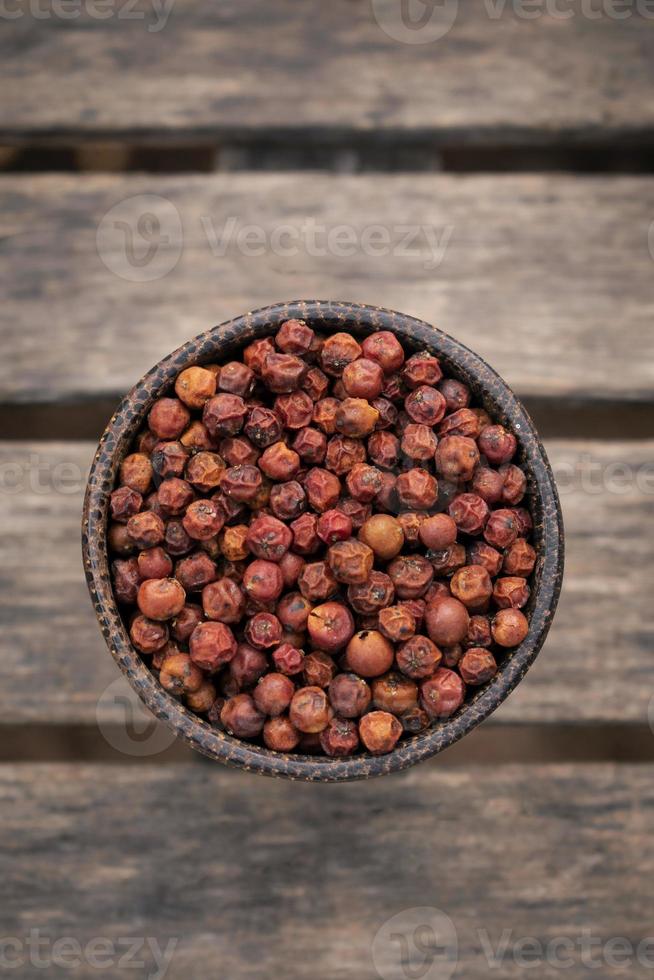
(538, 824)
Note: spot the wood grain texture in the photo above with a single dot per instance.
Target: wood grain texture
(244, 66)
(273, 878)
(596, 665)
(547, 277)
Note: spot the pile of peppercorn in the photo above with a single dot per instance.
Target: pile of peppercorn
(323, 541)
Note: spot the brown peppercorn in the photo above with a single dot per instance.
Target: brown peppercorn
(479, 633)
(509, 627)
(305, 534)
(442, 694)
(196, 571)
(185, 622)
(241, 717)
(263, 427)
(174, 496)
(469, 512)
(311, 446)
(371, 596)
(334, 526)
(203, 520)
(363, 378)
(472, 586)
(343, 453)
(497, 444)
(279, 462)
(341, 737)
(356, 417)
(136, 472)
(456, 458)
(273, 694)
(396, 623)
(310, 711)
(319, 669)
(195, 386)
(179, 675)
(417, 489)
(330, 626)
(380, 732)
(488, 484)
(422, 369)
(364, 482)
(148, 636)
(455, 393)
(280, 735)
(224, 415)
(246, 666)
(501, 529)
(464, 422)
(263, 581)
(520, 559)
(448, 561)
(452, 655)
(317, 582)
(168, 418)
(293, 611)
(287, 500)
(324, 414)
(294, 337)
(411, 521)
(369, 654)
(514, 483)
(223, 600)
(236, 379)
(256, 354)
(425, 406)
(316, 384)
(196, 438)
(283, 373)
(295, 409)
(233, 543)
(349, 695)
(146, 441)
(177, 542)
(384, 449)
(511, 592)
(288, 659)
(119, 541)
(419, 442)
(438, 532)
(241, 483)
(204, 471)
(411, 575)
(417, 609)
(322, 489)
(290, 566)
(161, 598)
(418, 657)
(351, 561)
(394, 693)
(415, 721)
(385, 349)
(238, 451)
(524, 520)
(388, 414)
(212, 645)
(447, 621)
(169, 459)
(202, 700)
(383, 534)
(126, 576)
(480, 553)
(339, 350)
(269, 538)
(125, 503)
(146, 529)
(477, 666)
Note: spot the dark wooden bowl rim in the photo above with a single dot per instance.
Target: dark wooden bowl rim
(224, 342)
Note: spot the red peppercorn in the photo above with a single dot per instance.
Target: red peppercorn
(371, 596)
(169, 459)
(239, 451)
(497, 444)
(287, 500)
(168, 418)
(311, 446)
(148, 636)
(146, 529)
(241, 483)
(322, 489)
(295, 409)
(343, 453)
(334, 526)
(136, 472)
(464, 422)
(364, 482)
(472, 586)
(384, 449)
(369, 653)
(356, 417)
(456, 457)
(305, 534)
(283, 373)
(341, 737)
(419, 442)
(363, 378)
(279, 462)
(351, 561)
(263, 427)
(447, 621)
(380, 732)
(310, 710)
(212, 645)
(263, 581)
(502, 529)
(396, 623)
(124, 503)
(236, 379)
(417, 489)
(174, 496)
(442, 694)
(119, 540)
(185, 622)
(509, 627)
(418, 657)
(388, 413)
(224, 601)
(455, 393)
(514, 484)
(178, 675)
(520, 559)
(161, 598)
(479, 633)
(203, 520)
(290, 566)
(411, 522)
(196, 438)
(224, 415)
(324, 414)
(319, 669)
(411, 575)
(288, 659)
(177, 542)
(337, 352)
(511, 592)
(233, 542)
(127, 577)
(349, 695)
(201, 700)
(241, 717)
(481, 553)
(425, 405)
(330, 626)
(438, 532)
(316, 384)
(383, 534)
(294, 337)
(196, 571)
(280, 735)
(469, 512)
(269, 538)
(394, 693)
(477, 666)
(488, 484)
(256, 354)
(385, 349)
(317, 582)
(448, 561)
(273, 694)
(246, 666)
(204, 471)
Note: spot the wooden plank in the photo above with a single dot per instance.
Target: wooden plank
(503, 71)
(277, 878)
(596, 665)
(548, 277)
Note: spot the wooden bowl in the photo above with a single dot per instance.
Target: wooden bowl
(224, 343)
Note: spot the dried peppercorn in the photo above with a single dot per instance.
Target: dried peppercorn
(273, 694)
(463, 422)
(290, 566)
(384, 348)
(256, 354)
(343, 453)
(236, 379)
(136, 472)
(455, 393)
(472, 586)
(212, 645)
(337, 352)
(488, 484)
(477, 666)
(204, 471)
(384, 449)
(417, 489)
(394, 693)
(514, 485)
(351, 561)
(396, 623)
(425, 405)
(185, 621)
(479, 633)
(316, 384)
(383, 534)
(241, 717)
(456, 457)
(203, 520)
(126, 576)
(324, 415)
(448, 561)
(311, 446)
(349, 695)
(288, 659)
(223, 600)
(364, 482)
(447, 621)
(415, 721)
(469, 512)
(246, 666)
(369, 597)
(269, 538)
(438, 532)
(356, 417)
(509, 627)
(369, 654)
(419, 442)
(196, 571)
(418, 657)
(330, 626)
(340, 737)
(160, 598)
(263, 581)
(379, 732)
(241, 483)
(168, 418)
(119, 541)
(224, 415)
(201, 700)
(305, 534)
(317, 582)
(309, 710)
(294, 337)
(283, 373)
(124, 503)
(511, 591)
(233, 542)
(238, 451)
(178, 675)
(388, 414)
(363, 378)
(176, 541)
(422, 369)
(411, 575)
(501, 529)
(169, 459)
(174, 496)
(287, 500)
(481, 553)
(146, 529)
(497, 444)
(295, 410)
(411, 521)
(195, 386)
(263, 427)
(279, 462)
(318, 669)
(442, 694)
(334, 525)
(520, 559)
(322, 489)
(197, 438)
(280, 734)
(147, 635)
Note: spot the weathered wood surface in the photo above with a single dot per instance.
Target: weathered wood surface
(596, 665)
(261, 879)
(244, 66)
(548, 277)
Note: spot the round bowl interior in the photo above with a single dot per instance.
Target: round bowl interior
(224, 343)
